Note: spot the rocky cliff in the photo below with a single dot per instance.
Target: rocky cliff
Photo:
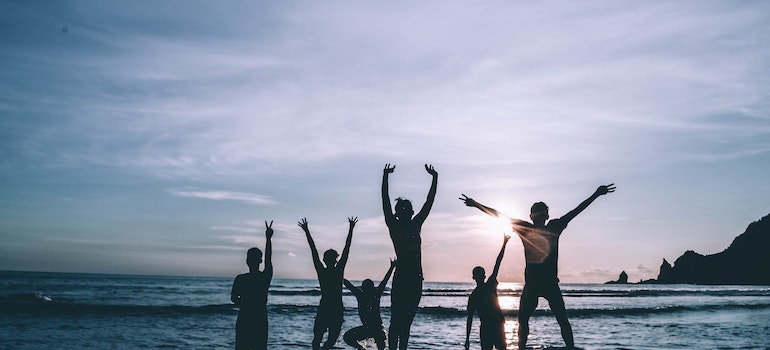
(745, 261)
(622, 279)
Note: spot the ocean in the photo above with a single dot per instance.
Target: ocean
(40, 310)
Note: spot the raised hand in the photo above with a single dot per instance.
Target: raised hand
(506, 237)
(389, 169)
(602, 190)
(303, 223)
(469, 201)
(430, 170)
(393, 262)
(352, 221)
(269, 229)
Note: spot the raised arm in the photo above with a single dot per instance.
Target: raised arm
(269, 250)
(384, 282)
(490, 211)
(493, 276)
(346, 251)
(600, 191)
(386, 208)
(423, 214)
(313, 251)
(349, 285)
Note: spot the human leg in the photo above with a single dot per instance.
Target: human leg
(334, 334)
(406, 329)
(378, 333)
(394, 329)
(485, 335)
(319, 328)
(497, 336)
(556, 302)
(527, 305)
(412, 304)
(260, 343)
(353, 336)
(245, 337)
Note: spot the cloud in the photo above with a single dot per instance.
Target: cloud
(234, 228)
(250, 198)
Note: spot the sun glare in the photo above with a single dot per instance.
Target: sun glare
(508, 295)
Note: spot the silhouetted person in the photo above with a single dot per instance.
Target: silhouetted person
(541, 251)
(249, 293)
(330, 310)
(406, 290)
(368, 299)
(483, 300)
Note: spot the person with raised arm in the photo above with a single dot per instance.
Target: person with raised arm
(405, 230)
(330, 316)
(368, 299)
(541, 252)
(483, 300)
(249, 294)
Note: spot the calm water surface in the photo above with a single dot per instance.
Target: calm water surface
(92, 311)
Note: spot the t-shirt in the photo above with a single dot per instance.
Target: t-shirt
(541, 249)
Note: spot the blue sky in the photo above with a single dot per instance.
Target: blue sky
(146, 137)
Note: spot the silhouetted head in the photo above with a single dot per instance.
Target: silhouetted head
(330, 257)
(539, 213)
(253, 258)
(403, 209)
(479, 274)
(367, 285)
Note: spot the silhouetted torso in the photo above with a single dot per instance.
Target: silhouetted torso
(252, 289)
(368, 308)
(541, 250)
(484, 300)
(330, 280)
(407, 244)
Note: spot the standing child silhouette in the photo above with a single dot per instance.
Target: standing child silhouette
(249, 293)
(483, 300)
(330, 316)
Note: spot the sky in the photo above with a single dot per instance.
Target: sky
(151, 137)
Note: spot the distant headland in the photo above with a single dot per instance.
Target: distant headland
(745, 261)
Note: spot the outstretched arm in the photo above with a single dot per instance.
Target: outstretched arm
(269, 250)
(386, 208)
(423, 214)
(600, 191)
(345, 252)
(493, 276)
(490, 211)
(313, 251)
(384, 282)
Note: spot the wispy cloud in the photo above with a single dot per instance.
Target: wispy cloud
(234, 228)
(250, 198)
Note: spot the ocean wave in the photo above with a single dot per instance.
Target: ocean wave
(37, 304)
(25, 305)
(439, 311)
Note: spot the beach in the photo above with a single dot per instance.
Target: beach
(93, 311)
